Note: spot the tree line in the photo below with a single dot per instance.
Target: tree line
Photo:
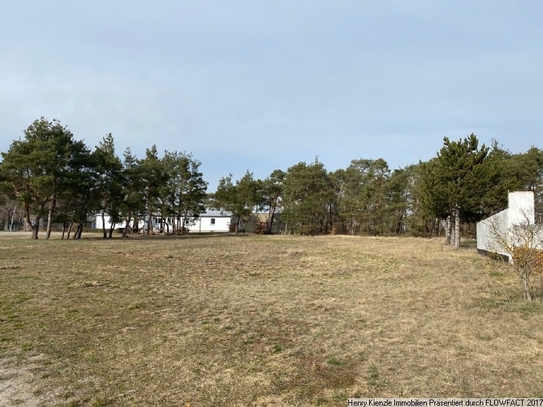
(50, 175)
(464, 183)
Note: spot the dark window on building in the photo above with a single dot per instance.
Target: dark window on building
(212, 221)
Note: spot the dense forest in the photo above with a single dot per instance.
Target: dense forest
(49, 177)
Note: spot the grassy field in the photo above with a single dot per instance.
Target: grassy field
(259, 321)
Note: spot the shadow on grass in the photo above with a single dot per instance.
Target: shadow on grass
(188, 236)
(97, 236)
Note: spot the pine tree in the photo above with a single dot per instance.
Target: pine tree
(308, 199)
(109, 170)
(272, 189)
(35, 166)
(240, 198)
(454, 183)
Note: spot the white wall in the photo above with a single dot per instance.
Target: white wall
(97, 222)
(204, 224)
(200, 224)
(485, 240)
(520, 210)
(521, 207)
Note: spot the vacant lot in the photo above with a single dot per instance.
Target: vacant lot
(259, 321)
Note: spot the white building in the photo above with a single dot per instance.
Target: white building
(207, 222)
(501, 226)
(210, 221)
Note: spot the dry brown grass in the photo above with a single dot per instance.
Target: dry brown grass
(261, 321)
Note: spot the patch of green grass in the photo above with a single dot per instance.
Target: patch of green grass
(277, 348)
(374, 377)
(102, 402)
(334, 362)
(136, 305)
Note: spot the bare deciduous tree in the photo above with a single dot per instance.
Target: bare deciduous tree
(522, 243)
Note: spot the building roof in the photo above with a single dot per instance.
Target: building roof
(216, 214)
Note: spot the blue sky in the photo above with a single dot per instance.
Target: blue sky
(259, 85)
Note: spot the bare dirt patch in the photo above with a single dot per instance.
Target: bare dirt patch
(20, 384)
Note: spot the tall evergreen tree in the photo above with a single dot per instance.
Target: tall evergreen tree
(530, 172)
(308, 199)
(397, 198)
(271, 191)
(454, 182)
(34, 166)
(133, 204)
(109, 171)
(154, 176)
(240, 198)
(184, 191)
(361, 196)
(421, 221)
(81, 195)
(342, 219)
(9, 206)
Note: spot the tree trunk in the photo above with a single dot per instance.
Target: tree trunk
(330, 220)
(270, 223)
(28, 221)
(149, 225)
(70, 229)
(456, 228)
(148, 212)
(448, 231)
(104, 234)
(12, 223)
(78, 231)
(452, 237)
(527, 287)
(126, 226)
(136, 224)
(36, 227)
(50, 218)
